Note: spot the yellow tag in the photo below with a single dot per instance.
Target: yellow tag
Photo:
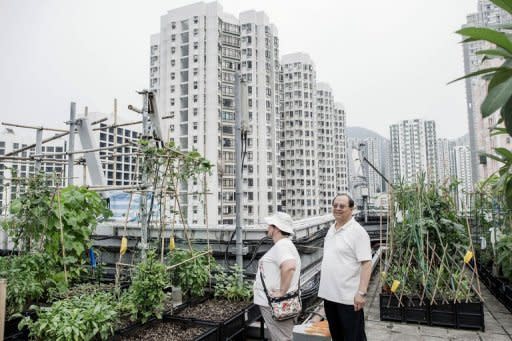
(468, 257)
(172, 246)
(124, 246)
(395, 285)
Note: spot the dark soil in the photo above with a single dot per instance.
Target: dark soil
(213, 310)
(166, 331)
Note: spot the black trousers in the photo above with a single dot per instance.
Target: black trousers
(345, 324)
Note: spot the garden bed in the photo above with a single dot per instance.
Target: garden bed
(462, 315)
(168, 329)
(228, 316)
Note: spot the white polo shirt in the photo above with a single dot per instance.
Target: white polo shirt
(270, 265)
(344, 250)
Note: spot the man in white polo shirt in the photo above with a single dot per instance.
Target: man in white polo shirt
(346, 271)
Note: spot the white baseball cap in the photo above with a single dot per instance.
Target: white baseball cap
(282, 221)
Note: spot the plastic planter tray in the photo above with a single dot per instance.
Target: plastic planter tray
(389, 309)
(443, 315)
(416, 311)
(470, 315)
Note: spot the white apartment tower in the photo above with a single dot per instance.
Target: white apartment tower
(413, 151)
(300, 145)
(193, 63)
(373, 155)
(340, 148)
(444, 160)
(481, 141)
(326, 146)
(193, 60)
(12, 140)
(260, 69)
(462, 170)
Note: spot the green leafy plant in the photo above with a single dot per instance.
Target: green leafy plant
(86, 317)
(30, 216)
(30, 278)
(229, 286)
(145, 297)
(504, 255)
(38, 214)
(192, 276)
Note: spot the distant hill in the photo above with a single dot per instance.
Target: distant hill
(360, 132)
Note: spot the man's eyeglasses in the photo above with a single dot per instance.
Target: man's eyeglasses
(341, 206)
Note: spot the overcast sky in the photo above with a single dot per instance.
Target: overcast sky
(385, 60)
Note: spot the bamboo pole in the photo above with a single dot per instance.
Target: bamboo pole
(62, 237)
(32, 127)
(170, 267)
(3, 297)
(17, 151)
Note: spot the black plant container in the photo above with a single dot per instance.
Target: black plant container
(232, 328)
(252, 313)
(470, 315)
(211, 334)
(416, 311)
(389, 308)
(443, 315)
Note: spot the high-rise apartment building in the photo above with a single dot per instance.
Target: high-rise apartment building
(444, 156)
(413, 150)
(326, 146)
(193, 61)
(12, 171)
(192, 68)
(260, 69)
(340, 148)
(461, 167)
(481, 141)
(300, 142)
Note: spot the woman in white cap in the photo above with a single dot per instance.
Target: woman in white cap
(280, 267)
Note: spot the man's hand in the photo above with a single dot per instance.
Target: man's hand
(359, 302)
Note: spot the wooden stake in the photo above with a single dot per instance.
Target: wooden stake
(3, 296)
(62, 237)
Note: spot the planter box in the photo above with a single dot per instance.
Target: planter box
(443, 315)
(470, 315)
(252, 314)
(230, 328)
(415, 312)
(389, 309)
(211, 334)
(451, 315)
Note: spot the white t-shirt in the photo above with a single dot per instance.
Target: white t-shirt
(344, 250)
(269, 264)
